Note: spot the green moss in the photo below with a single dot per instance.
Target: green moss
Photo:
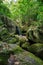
(1, 23)
(12, 40)
(22, 58)
(25, 45)
(18, 50)
(21, 55)
(37, 59)
(37, 49)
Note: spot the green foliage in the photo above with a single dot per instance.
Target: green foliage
(26, 10)
(4, 10)
(38, 23)
(40, 16)
(0, 1)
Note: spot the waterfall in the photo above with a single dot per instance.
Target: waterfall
(18, 31)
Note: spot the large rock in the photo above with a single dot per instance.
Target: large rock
(37, 49)
(22, 40)
(35, 34)
(25, 45)
(8, 29)
(27, 58)
(24, 57)
(8, 23)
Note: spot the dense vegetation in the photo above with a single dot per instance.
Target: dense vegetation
(21, 25)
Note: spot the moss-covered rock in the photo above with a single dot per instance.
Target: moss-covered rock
(8, 23)
(27, 58)
(35, 34)
(24, 29)
(21, 39)
(8, 30)
(24, 57)
(25, 45)
(37, 49)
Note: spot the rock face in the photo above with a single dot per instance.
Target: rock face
(35, 34)
(8, 23)
(7, 29)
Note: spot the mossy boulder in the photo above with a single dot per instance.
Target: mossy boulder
(21, 39)
(25, 45)
(27, 58)
(8, 23)
(4, 34)
(24, 57)
(8, 29)
(35, 34)
(37, 49)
